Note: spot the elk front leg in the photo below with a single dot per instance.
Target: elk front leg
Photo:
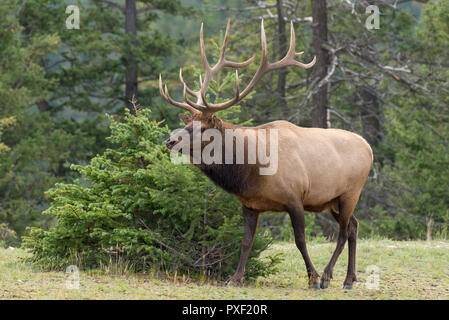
(297, 217)
(251, 219)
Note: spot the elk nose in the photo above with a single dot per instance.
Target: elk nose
(169, 143)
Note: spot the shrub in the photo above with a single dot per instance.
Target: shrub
(8, 237)
(134, 205)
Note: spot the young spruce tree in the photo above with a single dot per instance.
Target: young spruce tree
(134, 205)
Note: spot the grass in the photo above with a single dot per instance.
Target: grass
(407, 270)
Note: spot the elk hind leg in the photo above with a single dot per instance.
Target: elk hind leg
(346, 207)
(352, 239)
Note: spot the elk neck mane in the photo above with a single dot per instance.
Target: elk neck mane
(234, 178)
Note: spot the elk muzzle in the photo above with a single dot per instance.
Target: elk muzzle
(169, 143)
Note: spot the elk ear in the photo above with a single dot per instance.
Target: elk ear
(218, 123)
(185, 118)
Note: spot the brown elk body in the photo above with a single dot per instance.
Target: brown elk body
(318, 170)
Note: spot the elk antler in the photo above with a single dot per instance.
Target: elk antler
(201, 104)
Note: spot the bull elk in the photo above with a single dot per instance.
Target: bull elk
(319, 170)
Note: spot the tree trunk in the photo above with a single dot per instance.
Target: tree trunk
(282, 37)
(131, 68)
(371, 114)
(319, 99)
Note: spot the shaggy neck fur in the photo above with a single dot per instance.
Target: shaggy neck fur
(234, 178)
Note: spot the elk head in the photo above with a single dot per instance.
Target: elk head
(203, 111)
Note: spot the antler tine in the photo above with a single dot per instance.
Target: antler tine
(239, 65)
(190, 91)
(225, 41)
(222, 62)
(263, 40)
(191, 103)
(294, 54)
(265, 66)
(290, 57)
(291, 48)
(209, 72)
(203, 50)
(237, 86)
(212, 107)
(306, 65)
(167, 98)
(178, 104)
(161, 91)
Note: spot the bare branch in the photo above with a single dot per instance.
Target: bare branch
(112, 4)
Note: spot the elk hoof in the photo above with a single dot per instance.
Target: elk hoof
(347, 287)
(324, 284)
(314, 286)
